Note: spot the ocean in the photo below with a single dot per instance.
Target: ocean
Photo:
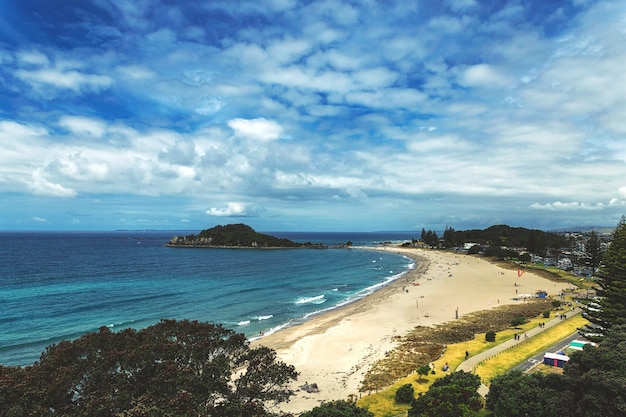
(58, 286)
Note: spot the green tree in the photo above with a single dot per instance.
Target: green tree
(518, 321)
(422, 371)
(593, 384)
(490, 336)
(449, 237)
(611, 280)
(596, 377)
(338, 409)
(454, 395)
(405, 394)
(593, 249)
(171, 368)
(516, 394)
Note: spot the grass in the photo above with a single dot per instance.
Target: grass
(383, 404)
(506, 360)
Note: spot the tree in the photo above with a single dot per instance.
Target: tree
(518, 321)
(611, 280)
(338, 409)
(490, 336)
(596, 376)
(593, 250)
(171, 368)
(515, 394)
(422, 371)
(525, 257)
(405, 394)
(593, 384)
(454, 395)
(449, 237)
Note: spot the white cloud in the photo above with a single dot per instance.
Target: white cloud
(136, 73)
(257, 129)
(232, 209)
(573, 205)
(40, 186)
(12, 129)
(83, 125)
(32, 58)
(70, 80)
(484, 75)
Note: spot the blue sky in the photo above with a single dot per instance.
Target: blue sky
(311, 115)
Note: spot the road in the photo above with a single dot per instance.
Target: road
(538, 358)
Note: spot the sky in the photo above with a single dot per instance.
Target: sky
(323, 115)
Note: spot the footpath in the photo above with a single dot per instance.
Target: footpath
(472, 362)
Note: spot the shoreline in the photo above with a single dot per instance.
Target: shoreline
(334, 349)
(286, 336)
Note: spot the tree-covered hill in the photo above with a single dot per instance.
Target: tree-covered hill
(513, 237)
(236, 236)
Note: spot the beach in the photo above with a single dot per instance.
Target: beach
(334, 350)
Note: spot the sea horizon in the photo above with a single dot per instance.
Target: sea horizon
(59, 285)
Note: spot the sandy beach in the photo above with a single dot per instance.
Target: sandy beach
(335, 349)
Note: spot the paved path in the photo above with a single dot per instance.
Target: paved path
(473, 361)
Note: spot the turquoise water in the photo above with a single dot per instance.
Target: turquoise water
(56, 286)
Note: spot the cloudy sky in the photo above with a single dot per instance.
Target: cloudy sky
(311, 115)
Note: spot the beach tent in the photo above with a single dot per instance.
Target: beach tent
(555, 359)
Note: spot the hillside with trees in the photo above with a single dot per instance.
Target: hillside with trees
(236, 236)
(536, 241)
(500, 237)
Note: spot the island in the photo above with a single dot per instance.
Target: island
(237, 236)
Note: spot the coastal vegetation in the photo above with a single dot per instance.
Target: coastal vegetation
(236, 236)
(498, 236)
(173, 368)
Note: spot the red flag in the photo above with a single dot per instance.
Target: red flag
(520, 272)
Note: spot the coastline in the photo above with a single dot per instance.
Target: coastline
(334, 349)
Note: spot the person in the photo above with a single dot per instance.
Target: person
(445, 367)
(466, 354)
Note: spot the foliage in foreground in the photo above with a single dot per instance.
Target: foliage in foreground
(404, 394)
(171, 368)
(338, 409)
(593, 384)
(611, 280)
(451, 396)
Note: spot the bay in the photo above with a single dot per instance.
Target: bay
(59, 285)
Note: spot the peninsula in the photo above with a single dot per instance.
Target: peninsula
(237, 236)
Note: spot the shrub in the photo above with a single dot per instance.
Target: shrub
(404, 394)
(518, 321)
(546, 314)
(490, 336)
